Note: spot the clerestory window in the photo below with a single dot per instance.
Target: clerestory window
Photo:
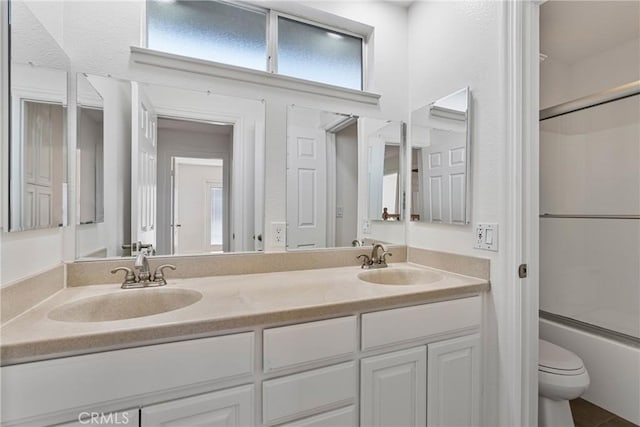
(243, 36)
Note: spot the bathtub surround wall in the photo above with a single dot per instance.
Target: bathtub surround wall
(589, 165)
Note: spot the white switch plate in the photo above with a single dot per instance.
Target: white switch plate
(278, 234)
(486, 236)
(366, 226)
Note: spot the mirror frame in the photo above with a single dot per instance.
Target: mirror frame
(5, 134)
(468, 157)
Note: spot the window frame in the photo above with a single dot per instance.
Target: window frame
(272, 16)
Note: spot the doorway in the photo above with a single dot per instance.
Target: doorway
(194, 186)
(198, 205)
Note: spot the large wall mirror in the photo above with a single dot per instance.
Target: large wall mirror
(331, 180)
(183, 171)
(37, 149)
(440, 160)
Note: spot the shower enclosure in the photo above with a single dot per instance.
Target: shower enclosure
(590, 214)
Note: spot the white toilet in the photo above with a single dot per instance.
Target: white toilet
(561, 377)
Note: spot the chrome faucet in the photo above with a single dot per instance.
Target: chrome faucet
(377, 259)
(142, 277)
(142, 269)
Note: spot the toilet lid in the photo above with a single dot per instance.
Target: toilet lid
(553, 358)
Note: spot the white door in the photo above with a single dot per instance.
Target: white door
(444, 164)
(226, 408)
(144, 121)
(306, 188)
(454, 382)
(393, 389)
(198, 214)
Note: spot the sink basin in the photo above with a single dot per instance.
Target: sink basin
(399, 276)
(125, 304)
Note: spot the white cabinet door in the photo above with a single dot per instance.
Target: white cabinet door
(394, 389)
(343, 417)
(124, 418)
(454, 382)
(231, 407)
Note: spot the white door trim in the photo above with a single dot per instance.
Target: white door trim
(520, 217)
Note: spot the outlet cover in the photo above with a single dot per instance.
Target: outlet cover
(486, 236)
(366, 226)
(278, 234)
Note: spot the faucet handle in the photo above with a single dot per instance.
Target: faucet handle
(129, 278)
(366, 261)
(383, 259)
(158, 275)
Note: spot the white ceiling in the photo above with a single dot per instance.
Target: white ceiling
(571, 30)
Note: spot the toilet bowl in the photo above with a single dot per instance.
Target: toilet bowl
(561, 377)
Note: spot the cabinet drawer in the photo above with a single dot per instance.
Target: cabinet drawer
(231, 407)
(306, 393)
(422, 321)
(309, 342)
(120, 374)
(343, 417)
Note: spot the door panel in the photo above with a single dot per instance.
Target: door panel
(454, 382)
(306, 188)
(444, 164)
(394, 389)
(143, 167)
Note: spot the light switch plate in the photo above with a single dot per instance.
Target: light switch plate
(366, 226)
(278, 234)
(486, 236)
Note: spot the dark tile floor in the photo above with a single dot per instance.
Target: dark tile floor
(586, 414)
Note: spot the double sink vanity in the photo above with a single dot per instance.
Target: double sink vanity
(289, 344)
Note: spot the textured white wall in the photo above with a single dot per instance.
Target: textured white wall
(452, 45)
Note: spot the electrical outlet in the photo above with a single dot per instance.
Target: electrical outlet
(486, 237)
(278, 234)
(366, 226)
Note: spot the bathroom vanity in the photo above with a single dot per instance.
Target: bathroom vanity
(341, 350)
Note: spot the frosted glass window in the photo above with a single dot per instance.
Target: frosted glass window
(208, 30)
(216, 216)
(314, 53)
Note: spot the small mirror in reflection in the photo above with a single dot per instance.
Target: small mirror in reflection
(440, 166)
(385, 180)
(90, 153)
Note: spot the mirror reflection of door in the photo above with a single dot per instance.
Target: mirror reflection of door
(322, 179)
(194, 186)
(144, 162)
(198, 213)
